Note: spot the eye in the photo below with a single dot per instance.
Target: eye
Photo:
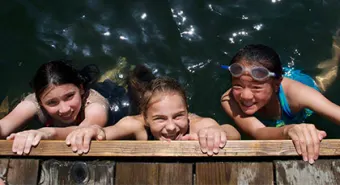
(257, 87)
(52, 103)
(180, 116)
(158, 119)
(69, 96)
(237, 87)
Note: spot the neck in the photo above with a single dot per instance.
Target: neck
(272, 109)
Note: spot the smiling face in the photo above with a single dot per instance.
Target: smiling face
(62, 102)
(167, 116)
(252, 95)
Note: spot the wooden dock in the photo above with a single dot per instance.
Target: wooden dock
(177, 162)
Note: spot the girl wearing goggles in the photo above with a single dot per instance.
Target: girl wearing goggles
(269, 102)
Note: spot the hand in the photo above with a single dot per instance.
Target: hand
(211, 139)
(306, 139)
(80, 139)
(23, 141)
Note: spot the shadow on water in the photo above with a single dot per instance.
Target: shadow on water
(183, 39)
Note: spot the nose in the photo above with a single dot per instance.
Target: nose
(170, 126)
(247, 94)
(64, 108)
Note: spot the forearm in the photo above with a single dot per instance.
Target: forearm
(58, 133)
(232, 133)
(272, 133)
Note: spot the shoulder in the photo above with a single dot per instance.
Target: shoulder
(95, 97)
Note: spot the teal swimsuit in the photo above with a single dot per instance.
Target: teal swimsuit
(287, 116)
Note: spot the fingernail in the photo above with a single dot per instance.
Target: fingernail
(215, 150)
(305, 159)
(311, 161)
(100, 137)
(204, 150)
(74, 149)
(210, 152)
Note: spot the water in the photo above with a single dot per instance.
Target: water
(182, 39)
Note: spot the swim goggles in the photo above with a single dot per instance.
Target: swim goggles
(256, 72)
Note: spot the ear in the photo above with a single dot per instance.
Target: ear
(277, 83)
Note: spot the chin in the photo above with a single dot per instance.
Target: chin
(249, 110)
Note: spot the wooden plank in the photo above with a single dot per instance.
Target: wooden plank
(154, 173)
(175, 173)
(234, 173)
(300, 172)
(136, 173)
(77, 172)
(245, 148)
(4, 165)
(23, 171)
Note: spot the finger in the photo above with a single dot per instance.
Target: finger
(101, 135)
(36, 140)
(316, 141)
(79, 142)
(186, 137)
(19, 143)
(223, 141)
(87, 142)
(217, 140)
(68, 139)
(210, 143)
(296, 142)
(202, 138)
(309, 143)
(28, 143)
(322, 134)
(303, 144)
(11, 137)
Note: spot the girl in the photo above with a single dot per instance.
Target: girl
(62, 100)
(267, 104)
(164, 116)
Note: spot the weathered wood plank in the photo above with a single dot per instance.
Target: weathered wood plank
(23, 171)
(78, 172)
(246, 148)
(300, 172)
(234, 173)
(4, 165)
(175, 173)
(154, 173)
(136, 173)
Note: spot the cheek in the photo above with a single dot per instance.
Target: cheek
(51, 110)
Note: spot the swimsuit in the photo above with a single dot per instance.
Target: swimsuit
(287, 117)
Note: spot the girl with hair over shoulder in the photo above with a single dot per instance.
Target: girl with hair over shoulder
(164, 116)
(268, 101)
(62, 101)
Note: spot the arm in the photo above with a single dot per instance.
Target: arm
(250, 124)
(306, 137)
(23, 112)
(308, 97)
(127, 127)
(232, 133)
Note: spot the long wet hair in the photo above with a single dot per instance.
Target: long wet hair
(137, 81)
(161, 85)
(59, 72)
(260, 54)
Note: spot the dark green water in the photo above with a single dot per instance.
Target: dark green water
(185, 39)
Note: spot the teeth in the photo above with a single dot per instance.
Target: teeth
(247, 103)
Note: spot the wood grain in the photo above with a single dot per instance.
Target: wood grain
(23, 171)
(246, 148)
(234, 173)
(300, 172)
(154, 173)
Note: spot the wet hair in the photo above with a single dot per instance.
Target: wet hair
(137, 81)
(260, 54)
(59, 72)
(161, 85)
